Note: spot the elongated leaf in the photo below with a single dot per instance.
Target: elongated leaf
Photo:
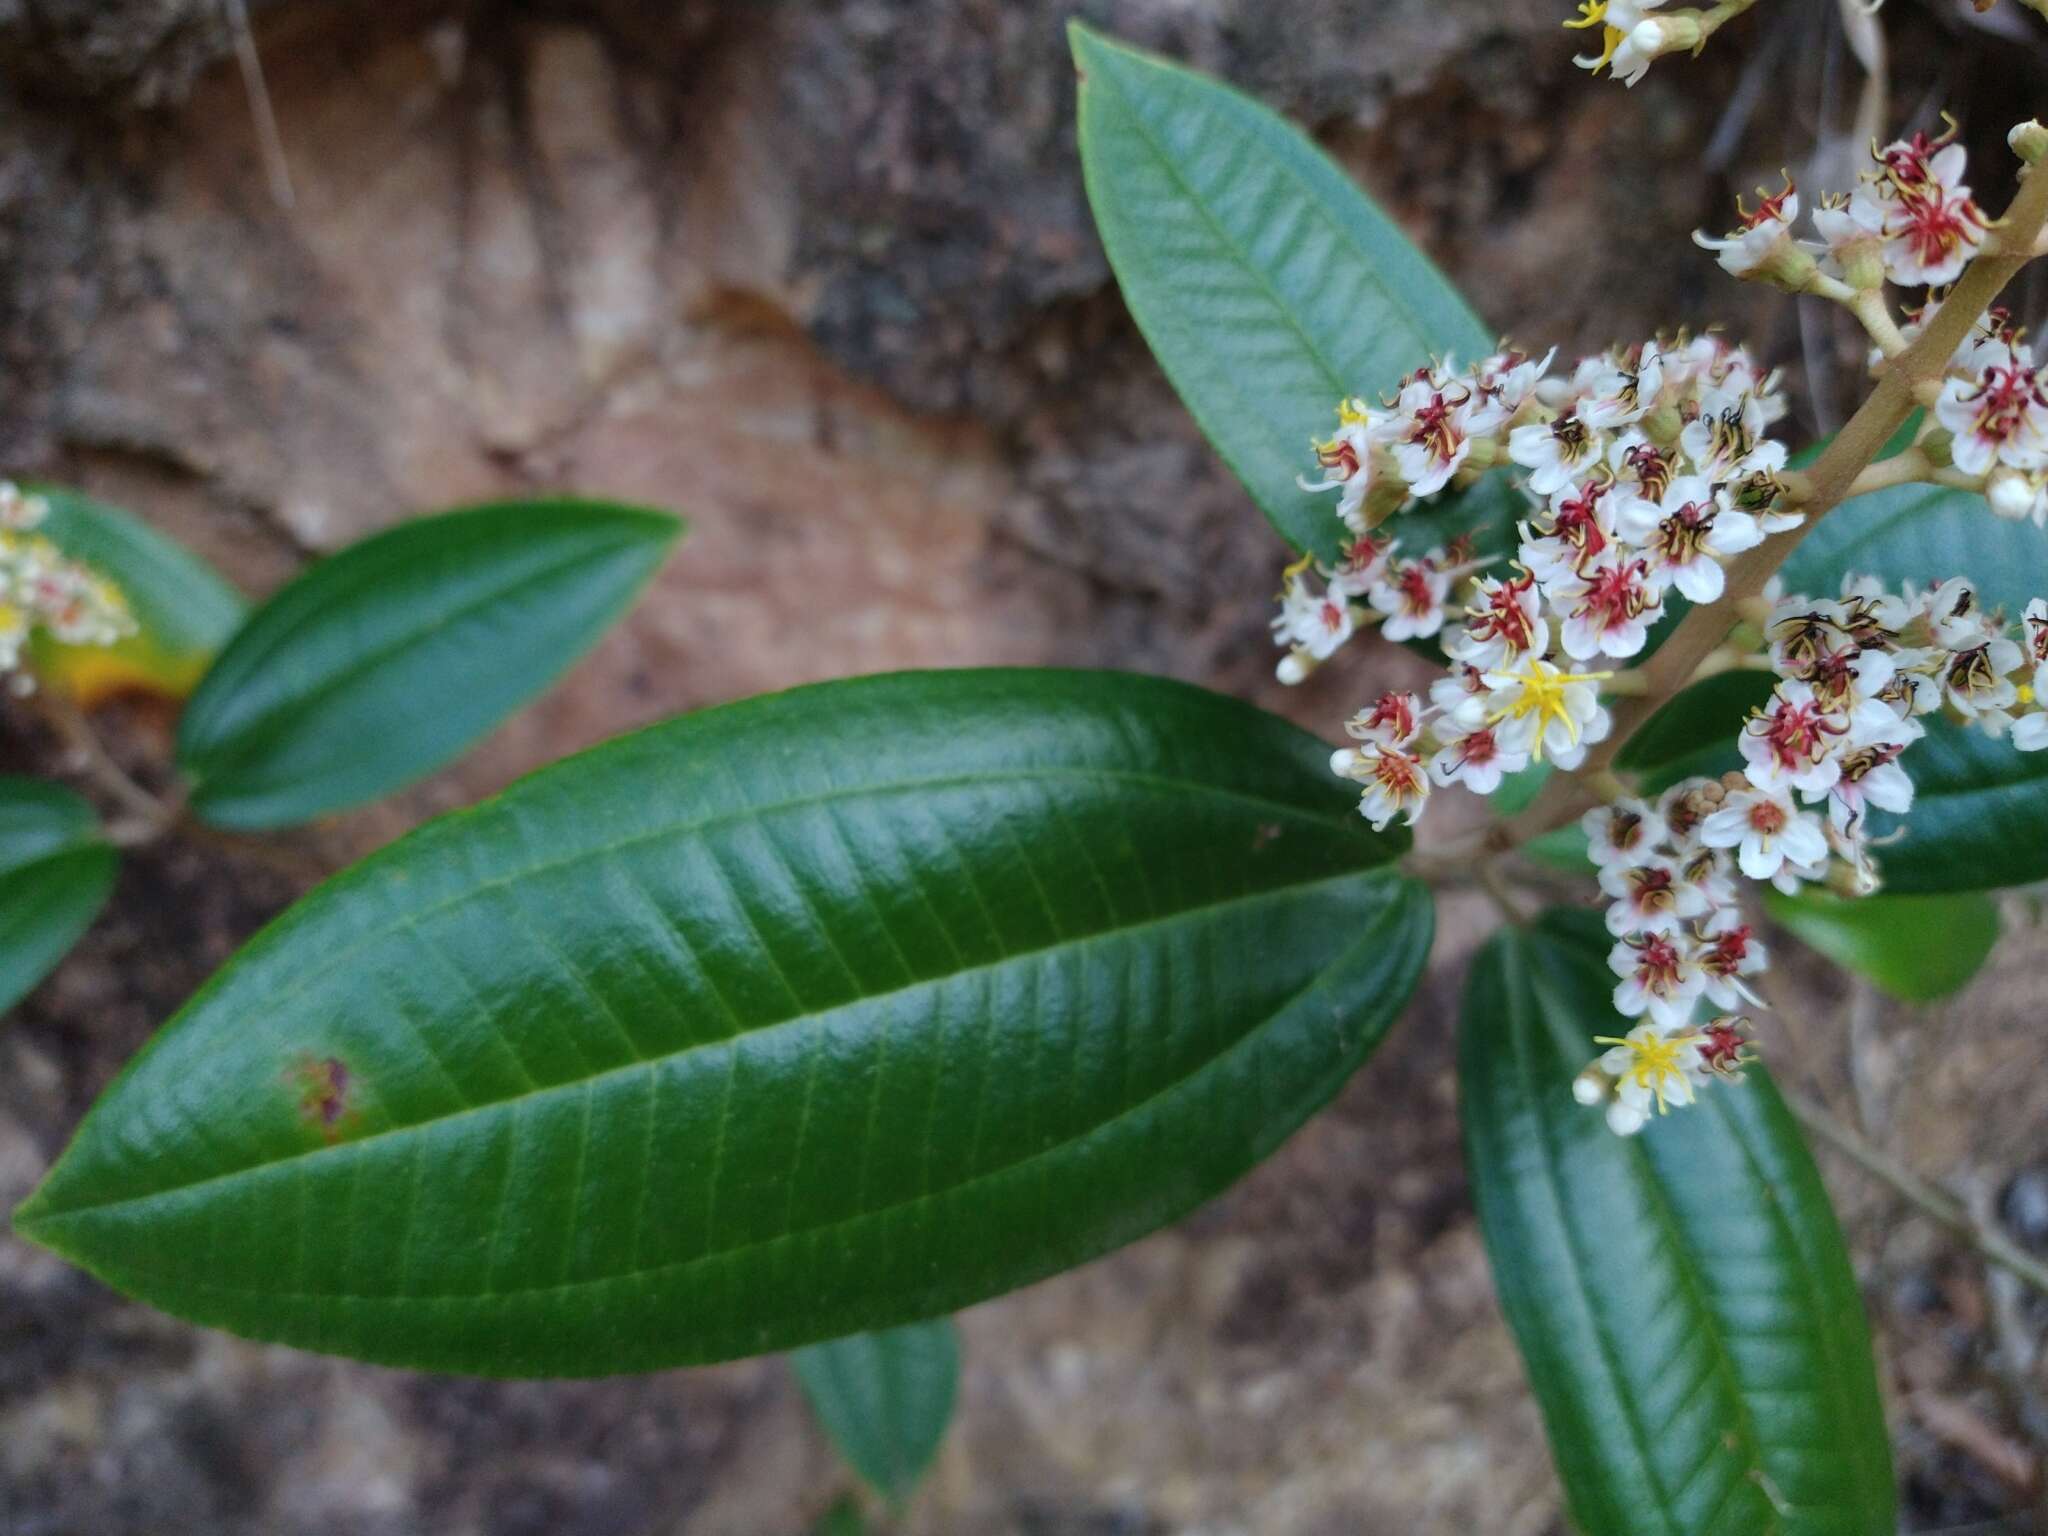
(885, 1398)
(1685, 1305)
(184, 609)
(1917, 948)
(55, 875)
(816, 1013)
(1267, 284)
(382, 663)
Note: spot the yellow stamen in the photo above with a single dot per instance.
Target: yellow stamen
(1656, 1063)
(1592, 13)
(1542, 695)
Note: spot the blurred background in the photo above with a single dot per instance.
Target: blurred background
(821, 277)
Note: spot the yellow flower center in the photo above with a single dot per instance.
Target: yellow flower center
(1543, 695)
(1655, 1065)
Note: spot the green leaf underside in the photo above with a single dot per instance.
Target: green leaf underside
(885, 1398)
(55, 876)
(1683, 1299)
(1267, 284)
(380, 664)
(184, 610)
(812, 1014)
(1917, 948)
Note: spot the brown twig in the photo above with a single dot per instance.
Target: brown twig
(1830, 481)
(1938, 1204)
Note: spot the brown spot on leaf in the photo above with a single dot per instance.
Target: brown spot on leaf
(322, 1085)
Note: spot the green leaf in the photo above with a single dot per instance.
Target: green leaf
(55, 875)
(885, 1399)
(184, 609)
(843, 1519)
(1267, 284)
(384, 662)
(812, 1014)
(1917, 948)
(1683, 1299)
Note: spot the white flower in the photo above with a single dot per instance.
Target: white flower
(1956, 617)
(1688, 534)
(1473, 757)
(1395, 784)
(2000, 417)
(1392, 720)
(1622, 832)
(1577, 529)
(1762, 243)
(1728, 952)
(1543, 710)
(1726, 442)
(1428, 434)
(1853, 230)
(1623, 392)
(1610, 605)
(1555, 452)
(1871, 776)
(1316, 622)
(1978, 680)
(1503, 620)
(1411, 594)
(2030, 732)
(1791, 743)
(1767, 831)
(1932, 225)
(1659, 975)
(1649, 897)
(1462, 697)
(1651, 1070)
(1347, 459)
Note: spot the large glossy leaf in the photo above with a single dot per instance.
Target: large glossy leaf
(817, 1013)
(1683, 1299)
(885, 1398)
(1267, 284)
(184, 610)
(1917, 948)
(55, 875)
(380, 664)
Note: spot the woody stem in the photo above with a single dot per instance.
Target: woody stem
(1831, 480)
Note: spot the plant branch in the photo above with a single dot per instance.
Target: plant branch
(1831, 480)
(145, 817)
(1938, 1204)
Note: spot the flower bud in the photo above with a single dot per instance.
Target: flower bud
(2011, 494)
(2029, 140)
(1655, 36)
(1592, 1086)
(1343, 760)
(1295, 667)
(1625, 1119)
(1939, 446)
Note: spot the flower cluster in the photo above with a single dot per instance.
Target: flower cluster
(1650, 466)
(1856, 675)
(1911, 220)
(40, 589)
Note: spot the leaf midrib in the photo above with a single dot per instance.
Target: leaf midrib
(669, 1058)
(220, 757)
(1387, 913)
